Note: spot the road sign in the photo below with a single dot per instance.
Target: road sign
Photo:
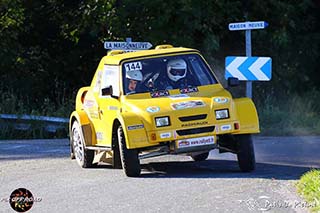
(128, 45)
(248, 68)
(248, 25)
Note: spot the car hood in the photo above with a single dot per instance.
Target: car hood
(177, 105)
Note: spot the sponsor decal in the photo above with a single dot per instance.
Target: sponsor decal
(134, 127)
(94, 114)
(98, 82)
(195, 142)
(183, 143)
(221, 100)
(165, 135)
(187, 105)
(195, 124)
(113, 108)
(89, 103)
(189, 90)
(99, 135)
(153, 109)
(160, 93)
(225, 127)
(179, 96)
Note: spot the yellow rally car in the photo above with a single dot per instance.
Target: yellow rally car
(154, 102)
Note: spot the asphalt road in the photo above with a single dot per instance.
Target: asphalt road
(167, 184)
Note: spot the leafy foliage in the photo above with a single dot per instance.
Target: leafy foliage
(309, 187)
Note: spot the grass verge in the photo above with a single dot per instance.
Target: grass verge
(309, 187)
(291, 116)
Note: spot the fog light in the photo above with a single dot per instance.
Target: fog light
(162, 121)
(222, 114)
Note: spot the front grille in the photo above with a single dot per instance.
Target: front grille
(195, 131)
(193, 117)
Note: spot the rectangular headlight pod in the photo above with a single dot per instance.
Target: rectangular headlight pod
(222, 114)
(162, 121)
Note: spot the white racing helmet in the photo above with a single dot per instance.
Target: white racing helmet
(134, 75)
(176, 69)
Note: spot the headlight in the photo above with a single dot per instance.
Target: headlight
(162, 121)
(222, 114)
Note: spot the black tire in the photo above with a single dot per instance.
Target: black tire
(83, 156)
(72, 156)
(200, 157)
(246, 157)
(116, 159)
(129, 157)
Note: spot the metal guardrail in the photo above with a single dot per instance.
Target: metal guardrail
(26, 122)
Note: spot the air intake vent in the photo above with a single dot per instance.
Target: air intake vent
(195, 131)
(193, 118)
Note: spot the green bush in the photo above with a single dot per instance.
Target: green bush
(309, 187)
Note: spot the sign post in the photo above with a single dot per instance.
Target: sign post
(248, 54)
(248, 26)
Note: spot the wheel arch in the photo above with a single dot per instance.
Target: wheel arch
(82, 92)
(87, 129)
(247, 115)
(130, 119)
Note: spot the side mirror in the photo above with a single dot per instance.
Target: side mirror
(106, 91)
(233, 82)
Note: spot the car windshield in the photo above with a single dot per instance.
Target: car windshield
(165, 73)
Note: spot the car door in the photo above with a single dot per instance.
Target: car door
(108, 105)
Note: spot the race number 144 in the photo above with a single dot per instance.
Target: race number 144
(133, 66)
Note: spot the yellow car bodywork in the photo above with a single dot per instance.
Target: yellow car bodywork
(99, 116)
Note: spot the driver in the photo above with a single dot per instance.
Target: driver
(133, 77)
(177, 71)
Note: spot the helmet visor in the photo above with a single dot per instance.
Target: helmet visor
(177, 72)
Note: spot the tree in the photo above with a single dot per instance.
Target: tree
(50, 48)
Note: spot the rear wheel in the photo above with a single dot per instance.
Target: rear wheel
(200, 157)
(246, 158)
(129, 157)
(83, 157)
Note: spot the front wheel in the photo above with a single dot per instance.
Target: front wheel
(246, 158)
(129, 157)
(83, 157)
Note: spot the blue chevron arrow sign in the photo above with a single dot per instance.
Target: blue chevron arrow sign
(248, 68)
